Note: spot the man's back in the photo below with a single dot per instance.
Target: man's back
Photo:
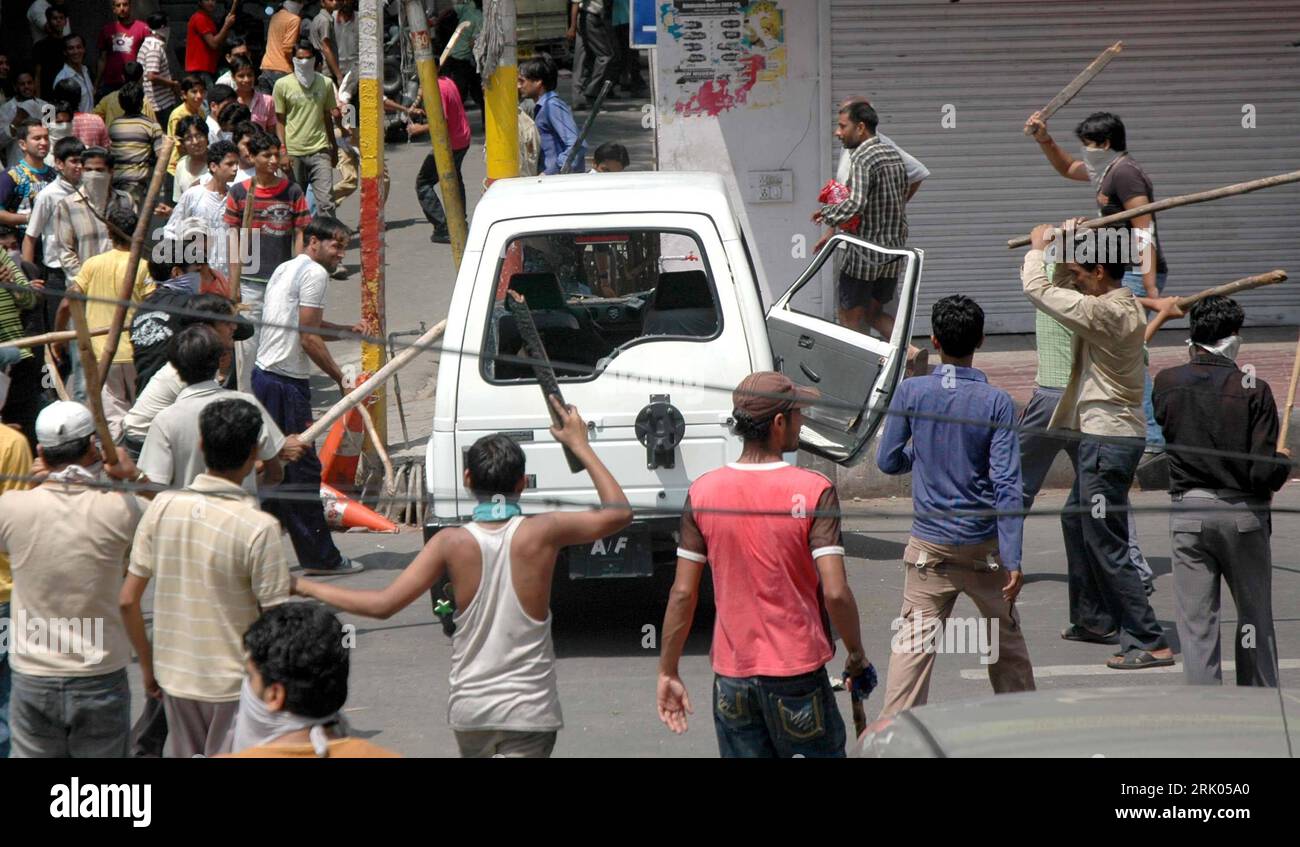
(172, 454)
(1209, 404)
(956, 467)
(503, 662)
(100, 279)
(217, 561)
(67, 545)
(759, 526)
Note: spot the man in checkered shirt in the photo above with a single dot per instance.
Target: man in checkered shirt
(877, 194)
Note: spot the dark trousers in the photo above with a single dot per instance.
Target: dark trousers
(769, 717)
(27, 396)
(425, 184)
(594, 59)
(466, 76)
(299, 511)
(1038, 449)
(1105, 586)
(1216, 540)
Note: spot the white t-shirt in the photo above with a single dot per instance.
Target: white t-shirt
(916, 171)
(83, 79)
(296, 283)
(42, 219)
(200, 201)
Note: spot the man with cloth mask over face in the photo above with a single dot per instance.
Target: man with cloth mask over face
(1220, 520)
(297, 683)
(67, 540)
(1120, 183)
(307, 111)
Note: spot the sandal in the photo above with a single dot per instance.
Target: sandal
(1074, 632)
(1138, 660)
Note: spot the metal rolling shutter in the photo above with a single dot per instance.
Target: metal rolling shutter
(1187, 70)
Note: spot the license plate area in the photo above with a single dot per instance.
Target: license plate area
(622, 555)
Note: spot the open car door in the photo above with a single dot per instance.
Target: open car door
(855, 373)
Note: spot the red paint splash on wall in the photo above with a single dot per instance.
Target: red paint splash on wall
(713, 96)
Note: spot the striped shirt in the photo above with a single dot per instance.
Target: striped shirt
(110, 108)
(218, 562)
(80, 231)
(137, 142)
(12, 302)
(89, 129)
(877, 193)
(153, 59)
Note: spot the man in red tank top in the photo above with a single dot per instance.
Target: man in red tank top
(770, 532)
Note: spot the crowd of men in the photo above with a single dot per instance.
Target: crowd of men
(204, 402)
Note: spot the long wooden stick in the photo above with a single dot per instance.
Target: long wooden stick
(1235, 287)
(455, 36)
(236, 263)
(94, 381)
(51, 338)
(127, 287)
(1181, 200)
(60, 390)
(365, 389)
(1076, 85)
(1290, 400)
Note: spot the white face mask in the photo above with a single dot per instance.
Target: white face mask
(95, 185)
(305, 71)
(1225, 347)
(1096, 160)
(256, 724)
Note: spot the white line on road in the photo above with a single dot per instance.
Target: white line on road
(1100, 669)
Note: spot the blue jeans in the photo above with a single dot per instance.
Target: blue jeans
(1155, 436)
(71, 717)
(288, 402)
(4, 682)
(766, 717)
(1105, 586)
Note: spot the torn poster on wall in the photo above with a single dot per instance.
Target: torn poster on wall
(723, 54)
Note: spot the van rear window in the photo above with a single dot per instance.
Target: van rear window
(592, 294)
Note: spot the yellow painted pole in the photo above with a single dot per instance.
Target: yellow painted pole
(501, 112)
(448, 181)
(370, 126)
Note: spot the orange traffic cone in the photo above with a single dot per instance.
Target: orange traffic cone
(341, 451)
(342, 512)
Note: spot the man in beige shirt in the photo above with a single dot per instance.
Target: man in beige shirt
(1103, 401)
(67, 541)
(219, 562)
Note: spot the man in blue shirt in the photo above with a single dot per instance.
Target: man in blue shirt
(961, 474)
(553, 117)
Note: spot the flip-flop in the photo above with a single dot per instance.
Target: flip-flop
(1074, 632)
(1137, 660)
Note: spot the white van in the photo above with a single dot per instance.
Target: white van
(646, 297)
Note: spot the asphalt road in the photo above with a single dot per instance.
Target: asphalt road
(606, 670)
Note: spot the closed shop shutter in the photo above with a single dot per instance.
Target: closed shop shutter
(1192, 72)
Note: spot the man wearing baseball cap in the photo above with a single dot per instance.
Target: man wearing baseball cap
(67, 540)
(770, 532)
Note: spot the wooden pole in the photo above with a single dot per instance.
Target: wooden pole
(1076, 85)
(362, 391)
(455, 36)
(1181, 200)
(94, 384)
(439, 134)
(236, 263)
(133, 263)
(1236, 287)
(51, 338)
(1290, 400)
(52, 367)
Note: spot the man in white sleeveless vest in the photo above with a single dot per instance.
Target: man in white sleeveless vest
(503, 697)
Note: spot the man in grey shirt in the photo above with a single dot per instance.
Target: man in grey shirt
(172, 454)
(322, 37)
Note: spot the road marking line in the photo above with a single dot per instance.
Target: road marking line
(1101, 669)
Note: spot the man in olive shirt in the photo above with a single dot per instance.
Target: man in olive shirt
(1103, 400)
